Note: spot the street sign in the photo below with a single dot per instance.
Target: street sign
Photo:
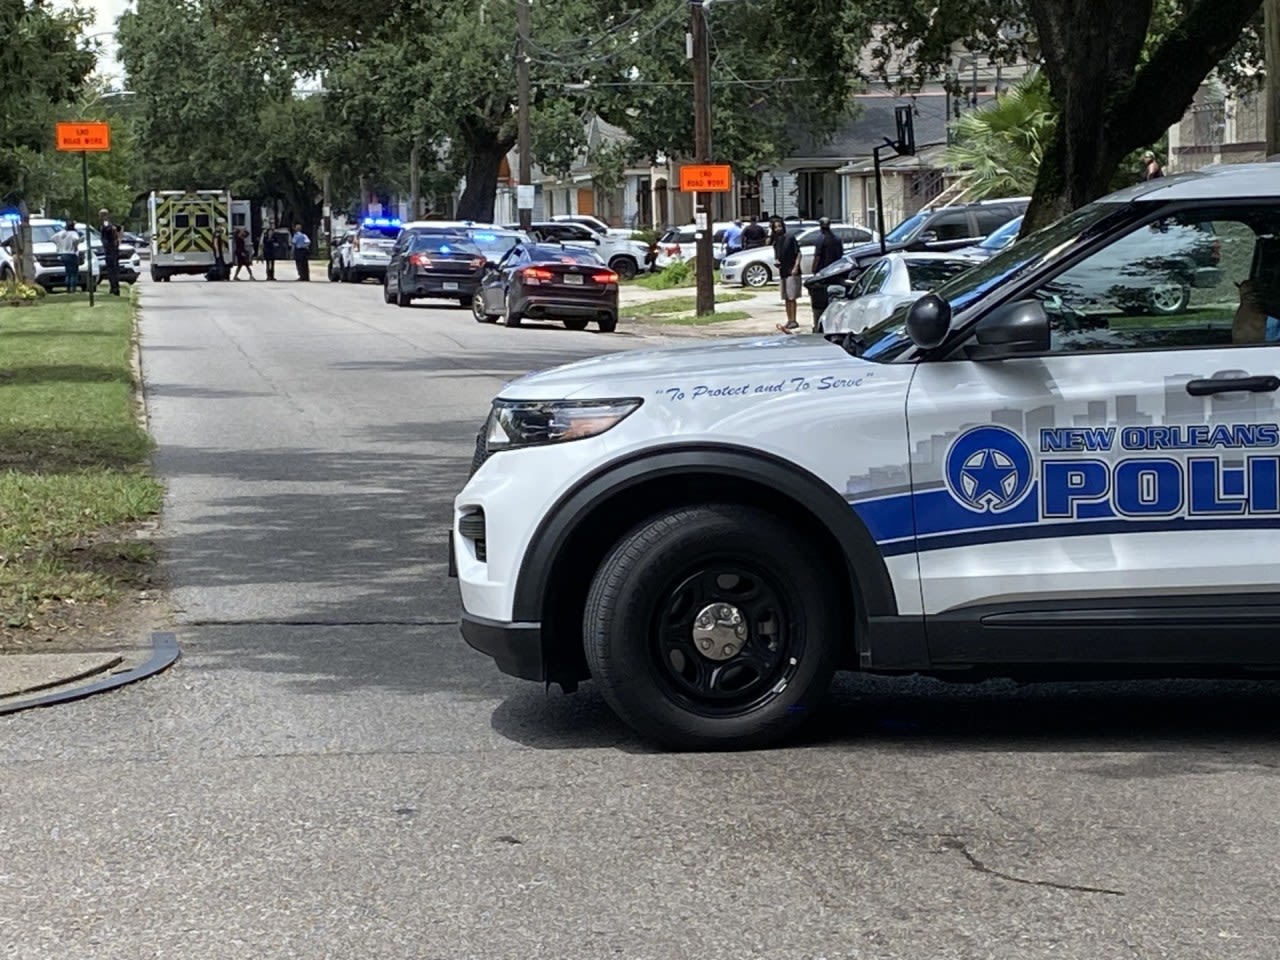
(706, 178)
(525, 196)
(84, 135)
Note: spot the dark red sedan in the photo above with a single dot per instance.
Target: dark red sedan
(541, 281)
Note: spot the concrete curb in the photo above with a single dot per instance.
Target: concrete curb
(164, 653)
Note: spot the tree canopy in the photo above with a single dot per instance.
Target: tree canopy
(43, 66)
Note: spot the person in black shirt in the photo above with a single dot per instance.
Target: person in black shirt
(827, 252)
(786, 253)
(753, 235)
(110, 234)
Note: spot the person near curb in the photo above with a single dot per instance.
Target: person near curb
(220, 271)
(753, 234)
(1151, 169)
(301, 246)
(828, 250)
(110, 234)
(267, 249)
(733, 238)
(67, 242)
(786, 253)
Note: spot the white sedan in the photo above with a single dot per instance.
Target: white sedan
(895, 280)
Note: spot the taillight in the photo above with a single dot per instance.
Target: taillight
(673, 250)
(536, 275)
(419, 260)
(477, 263)
(607, 276)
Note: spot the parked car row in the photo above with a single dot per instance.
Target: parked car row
(50, 271)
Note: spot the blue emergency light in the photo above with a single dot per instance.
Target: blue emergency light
(12, 215)
(380, 222)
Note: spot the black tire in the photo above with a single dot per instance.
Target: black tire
(344, 274)
(387, 296)
(625, 267)
(607, 324)
(465, 301)
(334, 273)
(402, 298)
(576, 323)
(477, 310)
(639, 618)
(6, 274)
(513, 318)
(756, 275)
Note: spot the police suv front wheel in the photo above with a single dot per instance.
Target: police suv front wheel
(712, 628)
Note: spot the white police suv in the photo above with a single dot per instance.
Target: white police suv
(1066, 458)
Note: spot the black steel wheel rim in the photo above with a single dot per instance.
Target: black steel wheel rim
(770, 654)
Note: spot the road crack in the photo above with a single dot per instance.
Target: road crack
(955, 843)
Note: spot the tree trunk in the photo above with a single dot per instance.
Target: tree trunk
(482, 176)
(1272, 89)
(1108, 107)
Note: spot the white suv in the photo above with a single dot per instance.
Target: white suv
(1015, 476)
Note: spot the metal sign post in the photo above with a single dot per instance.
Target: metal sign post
(81, 137)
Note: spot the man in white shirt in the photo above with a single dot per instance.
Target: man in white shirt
(67, 242)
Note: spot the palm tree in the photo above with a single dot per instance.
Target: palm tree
(998, 149)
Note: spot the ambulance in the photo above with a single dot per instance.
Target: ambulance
(183, 223)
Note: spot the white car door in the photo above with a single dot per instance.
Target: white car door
(1130, 472)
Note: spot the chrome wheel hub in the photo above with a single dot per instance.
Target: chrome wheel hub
(719, 631)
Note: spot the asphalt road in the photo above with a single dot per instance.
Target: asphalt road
(330, 773)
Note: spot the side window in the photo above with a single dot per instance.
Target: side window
(950, 225)
(991, 219)
(844, 234)
(1193, 280)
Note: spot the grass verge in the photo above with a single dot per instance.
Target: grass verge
(73, 460)
(677, 275)
(680, 310)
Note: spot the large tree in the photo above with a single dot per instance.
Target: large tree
(43, 66)
(1120, 72)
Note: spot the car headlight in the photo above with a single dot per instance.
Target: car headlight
(522, 423)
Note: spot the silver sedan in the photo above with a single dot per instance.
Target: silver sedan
(893, 281)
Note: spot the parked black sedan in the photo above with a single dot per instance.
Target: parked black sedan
(443, 266)
(543, 281)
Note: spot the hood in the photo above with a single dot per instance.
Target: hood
(640, 372)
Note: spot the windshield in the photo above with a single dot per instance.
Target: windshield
(544, 253)
(443, 244)
(1003, 236)
(930, 274)
(43, 233)
(903, 231)
(888, 338)
(495, 245)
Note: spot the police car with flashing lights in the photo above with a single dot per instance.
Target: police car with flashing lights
(1020, 474)
(368, 251)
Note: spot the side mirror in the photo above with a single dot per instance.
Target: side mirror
(837, 292)
(929, 236)
(1018, 327)
(929, 321)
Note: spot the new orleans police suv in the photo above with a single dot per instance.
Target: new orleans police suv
(1067, 457)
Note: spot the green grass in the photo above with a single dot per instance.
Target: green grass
(73, 471)
(693, 320)
(681, 310)
(675, 276)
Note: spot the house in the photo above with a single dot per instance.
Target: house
(1218, 127)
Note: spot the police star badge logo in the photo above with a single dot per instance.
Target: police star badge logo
(988, 469)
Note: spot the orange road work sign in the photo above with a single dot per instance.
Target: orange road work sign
(84, 135)
(706, 178)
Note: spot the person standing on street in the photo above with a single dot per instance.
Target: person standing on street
(301, 247)
(67, 242)
(1151, 169)
(733, 238)
(110, 250)
(220, 271)
(786, 253)
(827, 252)
(267, 249)
(243, 253)
(753, 234)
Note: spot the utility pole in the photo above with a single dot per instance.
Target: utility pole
(1271, 13)
(524, 137)
(413, 181)
(699, 53)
